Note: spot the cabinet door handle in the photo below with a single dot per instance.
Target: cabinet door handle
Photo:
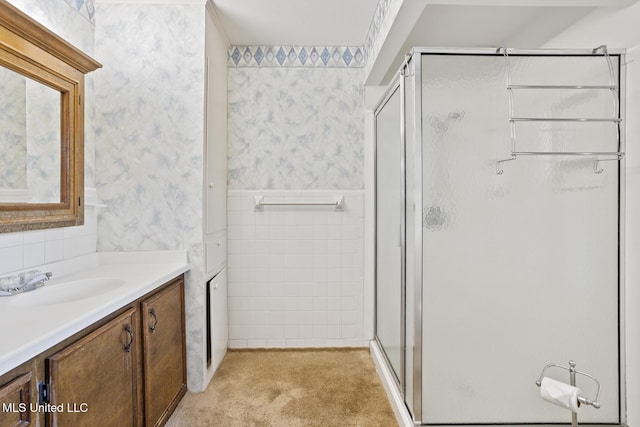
(127, 329)
(152, 327)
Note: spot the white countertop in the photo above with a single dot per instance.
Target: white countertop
(28, 331)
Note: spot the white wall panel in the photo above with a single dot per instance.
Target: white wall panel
(295, 274)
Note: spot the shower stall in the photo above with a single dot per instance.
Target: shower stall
(499, 233)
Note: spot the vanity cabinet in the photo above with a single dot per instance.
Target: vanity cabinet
(127, 369)
(15, 399)
(163, 353)
(93, 381)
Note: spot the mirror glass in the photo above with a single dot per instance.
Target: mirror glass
(30, 140)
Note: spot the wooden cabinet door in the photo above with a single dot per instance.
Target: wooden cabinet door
(93, 381)
(163, 353)
(15, 401)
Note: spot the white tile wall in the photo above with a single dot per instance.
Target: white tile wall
(28, 249)
(295, 273)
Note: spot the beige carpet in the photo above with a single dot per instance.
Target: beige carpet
(290, 388)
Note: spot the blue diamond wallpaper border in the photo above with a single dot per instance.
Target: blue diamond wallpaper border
(382, 8)
(296, 56)
(85, 8)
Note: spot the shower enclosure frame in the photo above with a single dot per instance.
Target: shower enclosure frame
(412, 67)
(397, 85)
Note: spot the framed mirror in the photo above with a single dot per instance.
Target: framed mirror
(41, 125)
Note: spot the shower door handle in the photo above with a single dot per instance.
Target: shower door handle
(401, 236)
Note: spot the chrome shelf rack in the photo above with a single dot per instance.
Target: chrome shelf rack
(600, 156)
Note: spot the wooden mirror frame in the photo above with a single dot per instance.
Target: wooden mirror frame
(32, 50)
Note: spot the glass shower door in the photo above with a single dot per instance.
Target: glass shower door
(519, 269)
(389, 233)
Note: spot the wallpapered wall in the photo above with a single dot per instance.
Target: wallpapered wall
(296, 128)
(150, 128)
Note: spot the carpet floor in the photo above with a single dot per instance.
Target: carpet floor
(290, 388)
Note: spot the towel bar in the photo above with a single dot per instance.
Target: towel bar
(259, 201)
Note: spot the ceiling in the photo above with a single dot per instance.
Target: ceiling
(480, 23)
(487, 26)
(429, 23)
(482, 26)
(296, 22)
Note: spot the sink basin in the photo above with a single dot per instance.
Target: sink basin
(66, 292)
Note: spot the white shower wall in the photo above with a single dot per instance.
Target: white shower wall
(537, 247)
(618, 29)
